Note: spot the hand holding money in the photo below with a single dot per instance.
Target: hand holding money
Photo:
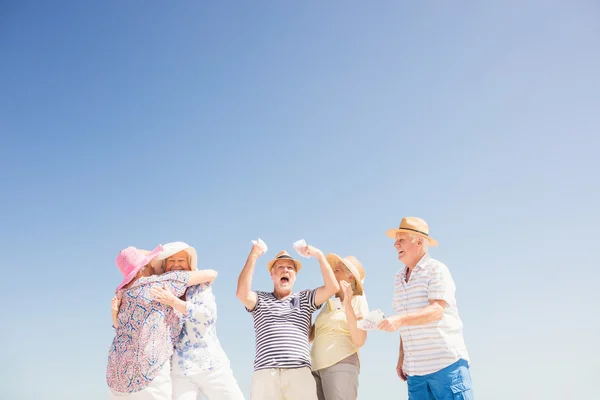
(306, 250)
(258, 247)
(371, 321)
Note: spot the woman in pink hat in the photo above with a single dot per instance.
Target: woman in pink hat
(145, 330)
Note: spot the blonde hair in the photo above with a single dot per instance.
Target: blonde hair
(353, 282)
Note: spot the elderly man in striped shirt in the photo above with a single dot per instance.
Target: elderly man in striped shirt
(281, 324)
(432, 358)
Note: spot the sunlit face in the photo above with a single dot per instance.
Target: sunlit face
(341, 273)
(406, 248)
(283, 274)
(178, 262)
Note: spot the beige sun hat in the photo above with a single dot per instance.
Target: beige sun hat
(284, 255)
(354, 266)
(413, 225)
(172, 248)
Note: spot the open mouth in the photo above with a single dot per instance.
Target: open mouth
(284, 279)
(400, 253)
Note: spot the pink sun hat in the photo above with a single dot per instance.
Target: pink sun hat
(131, 260)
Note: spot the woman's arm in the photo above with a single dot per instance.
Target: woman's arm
(166, 297)
(116, 303)
(358, 336)
(202, 276)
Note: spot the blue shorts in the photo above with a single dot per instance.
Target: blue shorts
(450, 383)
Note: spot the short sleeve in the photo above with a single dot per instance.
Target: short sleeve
(175, 281)
(360, 306)
(257, 306)
(309, 298)
(441, 285)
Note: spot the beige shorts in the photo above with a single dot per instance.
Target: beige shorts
(283, 384)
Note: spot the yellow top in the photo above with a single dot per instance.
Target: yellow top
(332, 337)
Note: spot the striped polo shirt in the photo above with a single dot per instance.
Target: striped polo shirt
(431, 347)
(281, 329)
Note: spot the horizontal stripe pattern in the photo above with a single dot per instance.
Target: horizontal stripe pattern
(431, 347)
(281, 329)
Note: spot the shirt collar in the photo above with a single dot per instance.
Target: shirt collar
(420, 264)
(422, 261)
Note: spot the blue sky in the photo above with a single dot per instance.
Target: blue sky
(137, 123)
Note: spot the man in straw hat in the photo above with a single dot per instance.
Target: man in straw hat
(281, 324)
(432, 358)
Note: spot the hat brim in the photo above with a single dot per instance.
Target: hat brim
(149, 259)
(296, 262)
(333, 259)
(129, 277)
(392, 234)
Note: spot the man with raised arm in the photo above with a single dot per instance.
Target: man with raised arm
(281, 324)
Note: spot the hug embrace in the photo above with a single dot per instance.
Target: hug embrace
(166, 344)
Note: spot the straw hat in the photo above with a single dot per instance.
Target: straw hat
(413, 225)
(131, 260)
(172, 248)
(284, 255)
(353, 265)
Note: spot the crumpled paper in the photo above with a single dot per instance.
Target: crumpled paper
(371, 321)
(298, 245)
(261, 244)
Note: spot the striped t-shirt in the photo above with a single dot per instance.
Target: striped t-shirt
(281, 329)
(431, 347)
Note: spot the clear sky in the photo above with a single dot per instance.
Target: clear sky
(137, 123)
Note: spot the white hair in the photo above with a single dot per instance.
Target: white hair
(424, 242)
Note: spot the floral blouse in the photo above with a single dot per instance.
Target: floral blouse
(146, 333)
(198, 348)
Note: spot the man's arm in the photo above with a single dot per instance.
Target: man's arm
(311, 334)
(331, 286)
(244, 288)
(432, 313)
(399, 369)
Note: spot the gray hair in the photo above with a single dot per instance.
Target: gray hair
(424, 242)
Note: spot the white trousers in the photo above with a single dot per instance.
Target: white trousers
(218, 384)
(283, 384)
(160, 388)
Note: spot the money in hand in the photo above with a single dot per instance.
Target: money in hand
(298, 245)
(262, 244)
(371, 320)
